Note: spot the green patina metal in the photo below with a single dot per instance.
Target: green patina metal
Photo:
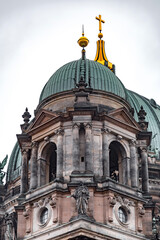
(14, 166)
(153, 116)
(95, 74)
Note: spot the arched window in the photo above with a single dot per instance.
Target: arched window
(49, 154)
(117, 161)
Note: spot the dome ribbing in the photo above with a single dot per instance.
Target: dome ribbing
(97, 76)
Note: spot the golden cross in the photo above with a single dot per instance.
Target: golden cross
(100, 22)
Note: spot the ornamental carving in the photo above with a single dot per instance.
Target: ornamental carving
(53, 202)
(34, 144)
(60, 131)
(112, 201)
(105, 130)
(88, 125)
(125, 203)
(141, 211)
(26, 213)
(76, 125)
(132, 142)
(42, 202)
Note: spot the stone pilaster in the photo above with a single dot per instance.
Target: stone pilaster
(105, 153)
(75, 144)
(88, 150)
(21, 222)
(41, 172)
(59, 172)
(144, 169)
(24, 171)
(126, 171)
(34, 170)
(133, 164)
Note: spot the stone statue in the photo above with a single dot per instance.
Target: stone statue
(11, 226)
(81, 196)
(2, 165)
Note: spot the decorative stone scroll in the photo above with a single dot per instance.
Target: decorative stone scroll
(53, 204)
(42, 202)
(27, 215)
(125, 203)
(141, 212)
(112, 202)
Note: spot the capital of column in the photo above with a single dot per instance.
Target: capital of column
(76, 125)
(25, 151)
(105, 130)
(132, 142)
(60, 131)
(88, 125)
(143, 149)
(34, 145)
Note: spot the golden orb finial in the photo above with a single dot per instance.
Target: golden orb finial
(83, 41)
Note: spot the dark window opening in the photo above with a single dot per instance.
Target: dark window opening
(52, 162)
(113, 157)
(82, 159)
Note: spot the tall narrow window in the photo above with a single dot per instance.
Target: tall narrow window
(52, 162)
(82, 148)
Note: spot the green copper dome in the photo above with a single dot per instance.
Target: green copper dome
(153, 116)
(14, 166)
(97, 76)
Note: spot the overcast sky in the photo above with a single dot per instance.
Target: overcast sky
(39, 36)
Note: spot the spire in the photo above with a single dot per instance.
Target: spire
(101, 55)
(83, 42)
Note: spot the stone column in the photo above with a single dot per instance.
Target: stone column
(144, 169)
(41, 172)
(126, 171)
(75, 145)
(24, 171)
(88, 150)
(59, 172)
(34, 170)
(105, 153)
(133, 164)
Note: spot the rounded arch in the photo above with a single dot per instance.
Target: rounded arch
(49, 154)
(118, 162)
(122, 142)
